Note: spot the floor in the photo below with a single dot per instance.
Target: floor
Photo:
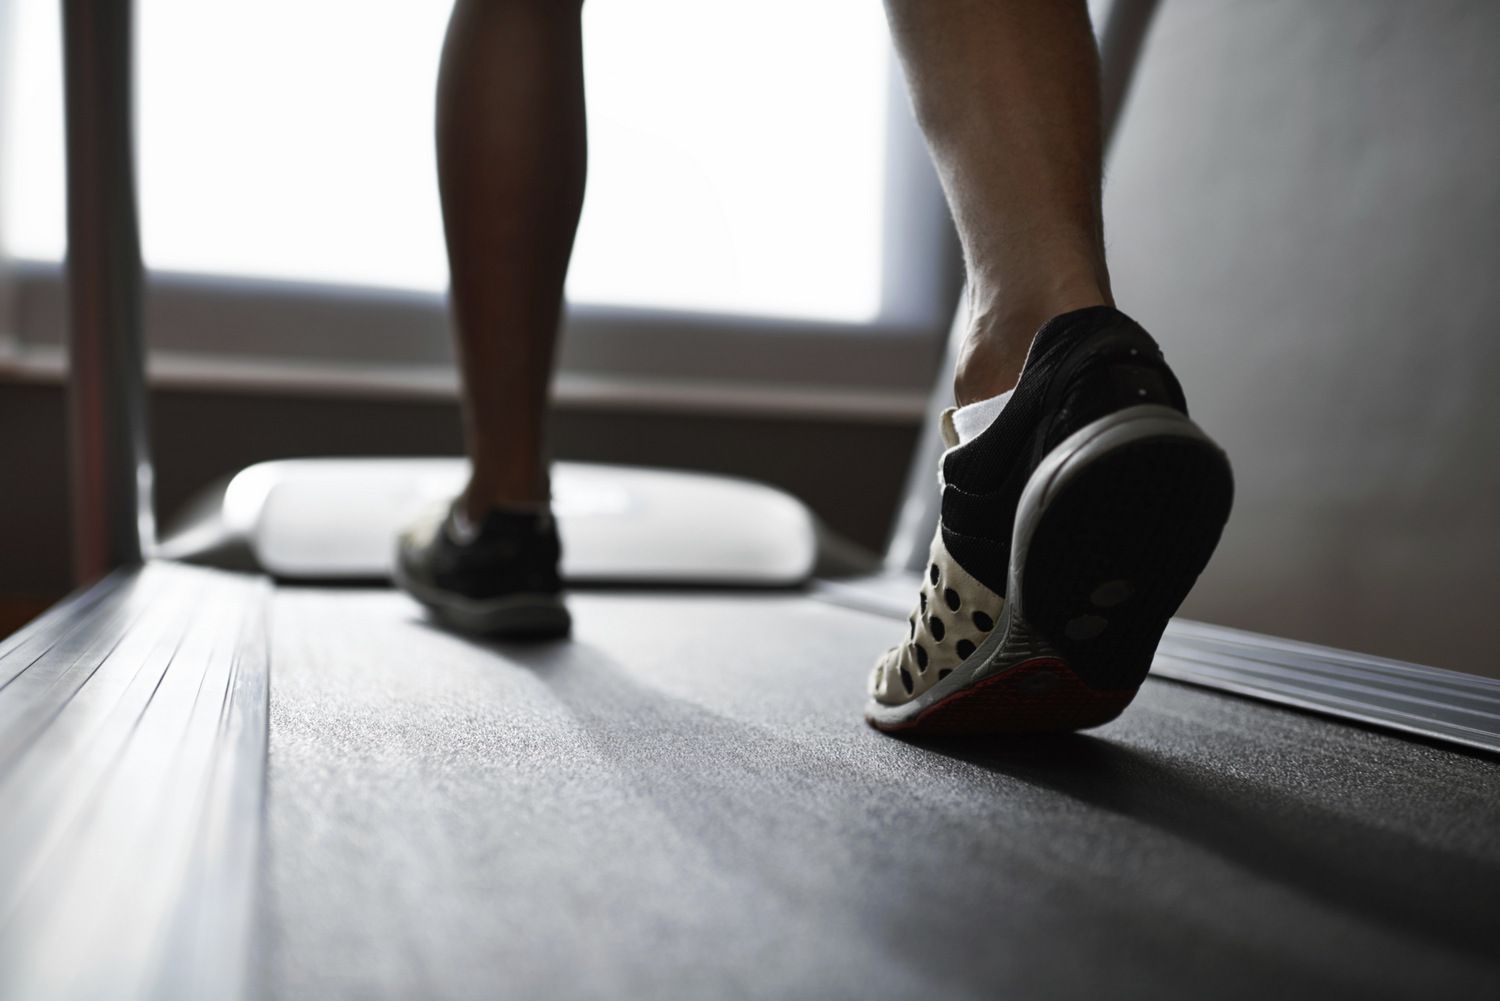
(683, 802)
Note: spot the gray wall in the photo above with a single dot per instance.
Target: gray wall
(1304, 206)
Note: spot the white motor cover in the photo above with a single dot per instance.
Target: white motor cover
(338, 518)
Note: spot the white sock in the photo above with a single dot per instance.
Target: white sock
(972, 419)
(460, 529)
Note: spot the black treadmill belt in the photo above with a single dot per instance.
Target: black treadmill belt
(684, 803)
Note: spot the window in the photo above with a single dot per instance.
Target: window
(748, 162)
(737, 160)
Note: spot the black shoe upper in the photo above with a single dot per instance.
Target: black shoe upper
(1082, 366)
(512, 552)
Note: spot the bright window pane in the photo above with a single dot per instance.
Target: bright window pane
(735, 165)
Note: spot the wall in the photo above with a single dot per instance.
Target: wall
(1304, 207)
(198, 437)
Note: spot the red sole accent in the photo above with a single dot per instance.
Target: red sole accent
(1041, 695)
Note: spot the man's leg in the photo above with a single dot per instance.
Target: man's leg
(511, 163)
(1079, 502)
(1007, 93)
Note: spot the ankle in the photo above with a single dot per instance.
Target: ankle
(995, 348)
(482, 496)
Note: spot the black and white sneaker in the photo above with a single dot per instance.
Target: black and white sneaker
(1072, 528)
(498, 578)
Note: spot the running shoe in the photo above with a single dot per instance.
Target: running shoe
(1071, 530)
(496, 578)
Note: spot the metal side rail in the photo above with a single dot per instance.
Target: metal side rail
(132, 766)
(1429, 702)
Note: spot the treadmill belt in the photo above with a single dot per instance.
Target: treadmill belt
(684, 802)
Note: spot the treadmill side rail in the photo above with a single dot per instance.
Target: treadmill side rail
(132, 773)
(1429, 702)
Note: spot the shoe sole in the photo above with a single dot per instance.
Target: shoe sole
(525, 615)
(1111, 533)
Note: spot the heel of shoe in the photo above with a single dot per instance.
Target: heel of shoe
(1037, 696)
(1117, 546)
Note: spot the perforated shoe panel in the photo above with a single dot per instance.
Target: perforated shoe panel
(953, 615)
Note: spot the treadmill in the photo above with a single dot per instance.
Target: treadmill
(270, 782)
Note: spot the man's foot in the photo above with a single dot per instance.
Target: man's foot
(498, 577)
(1071, 530)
